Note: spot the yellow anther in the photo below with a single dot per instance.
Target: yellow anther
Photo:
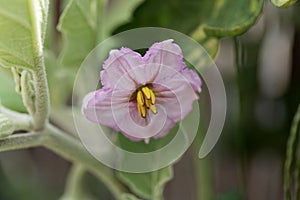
(140, 98)
(148, 103)
(152, 96)
(145, 99)
(146, 92)
(142, 110)
(153, 108)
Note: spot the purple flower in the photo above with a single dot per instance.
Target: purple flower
(143, 96)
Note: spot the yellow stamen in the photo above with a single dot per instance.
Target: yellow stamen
(140, 98)
(148, 103)
(142, 110)
(152, 96)
(146, 92)
(145, 98)
(153, 108)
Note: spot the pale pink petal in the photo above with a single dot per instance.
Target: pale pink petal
(176, 95)
(165, 53)
(169, 124)
(135, 127)
(193, 78)
(116, 68)
(141, 75)
(162, 60)
(97, 106)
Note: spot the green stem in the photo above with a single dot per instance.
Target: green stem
(204, 178)
(72, 150)
(74, 189)
(202, 170)
(21, 141)
(239, 62)
(289, 155)
(41, 114)
(67, 147)
(20, 121)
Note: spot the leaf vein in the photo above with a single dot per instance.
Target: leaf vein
(16, 56)
(5, 14)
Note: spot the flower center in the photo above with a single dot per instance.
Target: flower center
(145, 100)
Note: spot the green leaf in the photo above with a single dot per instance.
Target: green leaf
(283, 3)
(22, 31)
(118, 12)
(8, 96)
(204, 20)
(86, 23)
(229, 19)
(78, 27)
(148, 185)
(129, 197)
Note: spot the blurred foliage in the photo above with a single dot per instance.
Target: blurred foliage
(283, 3)
(83, 24)
(292, 163)
(205, 21)
(148, 185)
(233, 195)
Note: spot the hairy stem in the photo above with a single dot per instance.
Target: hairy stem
(20, 121)
(21, 141)
(41, 114)
(72, 150)
(67, 147)
(74, 188)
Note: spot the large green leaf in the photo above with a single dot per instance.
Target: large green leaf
(148, 185)
(86, 23)
(283, 3)
(204, 20)
(118, 12)
(230, 19)
(78, 26)
(22, 31)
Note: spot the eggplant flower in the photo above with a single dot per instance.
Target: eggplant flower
(143, 97)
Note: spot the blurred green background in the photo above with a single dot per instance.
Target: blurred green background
(261, 72)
